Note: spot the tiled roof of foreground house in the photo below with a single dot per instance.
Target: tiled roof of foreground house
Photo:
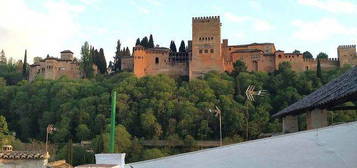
(23, 155)
(336, 92)
(328, 147)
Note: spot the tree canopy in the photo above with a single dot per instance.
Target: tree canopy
(173, 46)
(322, 55)
(182, 47)
(154, 108)
(307, 54)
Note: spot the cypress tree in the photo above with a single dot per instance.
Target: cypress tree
(173, 46)
(24, 66)
(87, 60)
(145, 42)
(102, 63)
(182, 47)
(137, 42)
(117, 61)
(127, 51)
(151, 42)
(318, 69)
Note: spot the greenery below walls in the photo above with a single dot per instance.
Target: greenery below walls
(153, 107)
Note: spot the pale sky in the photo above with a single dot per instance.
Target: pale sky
(50, 26)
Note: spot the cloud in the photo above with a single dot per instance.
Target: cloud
(257, 24)
(323, 29)
(334, 6)
(255, 4)
(40, 32)
(89, 2)
(139, 7)
(262, 25)
(154, 2)
(233, 18)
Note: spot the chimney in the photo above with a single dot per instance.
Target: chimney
(110, 158)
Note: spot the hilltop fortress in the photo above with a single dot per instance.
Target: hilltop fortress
(207, 51)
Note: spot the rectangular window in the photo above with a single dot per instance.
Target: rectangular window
(211, 50)
(200, 51)
(206, 51)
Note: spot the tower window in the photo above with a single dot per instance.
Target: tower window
(211, 50)
(206, 51)
(156, 60)
(200, 51)
(211, 38)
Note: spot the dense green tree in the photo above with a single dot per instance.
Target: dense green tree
(151, 42)
(117, 58)
(145, 42)
(2, 57)
(238, 67)
(99, 60)
(318, 69)
(322, 55)
(137, 42)
(83, 132)
(86, 63)
(182, 47)
(154, 108)
(307, 54)
(25, 67)
(152, 154)
(173, 46)
(127, 51)
(80, 155)
(122, 140)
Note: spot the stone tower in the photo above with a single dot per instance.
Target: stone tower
(67, 55)
(206, 46)
(347, 54)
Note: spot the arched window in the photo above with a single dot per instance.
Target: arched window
(156, 60)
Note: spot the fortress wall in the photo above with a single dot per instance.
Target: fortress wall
(296, 60)
(157, 61)
(255, 61)
(52, 68)
(326, 64)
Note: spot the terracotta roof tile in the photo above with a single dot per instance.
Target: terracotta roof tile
(23, 155)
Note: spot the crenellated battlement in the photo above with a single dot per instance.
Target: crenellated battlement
(321, 60)
(346, 46)
(206, 19)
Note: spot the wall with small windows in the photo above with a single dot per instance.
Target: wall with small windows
(54, 68)
(153, 61)
(206, 46)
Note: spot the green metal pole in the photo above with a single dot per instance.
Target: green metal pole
(112, 131)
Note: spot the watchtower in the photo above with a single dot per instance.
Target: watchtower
(206, 46)
(347, 54)
(67, 55)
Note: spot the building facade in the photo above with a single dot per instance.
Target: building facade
(207, 52)
(54, 68)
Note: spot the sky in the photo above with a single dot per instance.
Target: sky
(50, 26)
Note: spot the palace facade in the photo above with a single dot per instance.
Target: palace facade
(208, 52)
